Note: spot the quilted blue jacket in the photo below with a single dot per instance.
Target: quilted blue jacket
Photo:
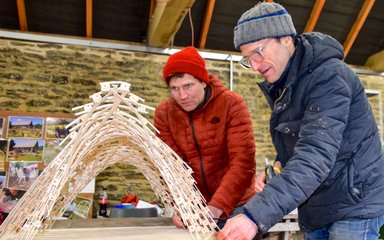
(326, 136)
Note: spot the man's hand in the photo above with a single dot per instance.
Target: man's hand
(261, 178)
(176, 219)
(239, 227)
(260, 182)
(216, 213)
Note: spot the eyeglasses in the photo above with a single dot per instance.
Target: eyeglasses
(256, 56)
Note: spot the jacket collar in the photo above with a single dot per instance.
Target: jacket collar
(207, 95)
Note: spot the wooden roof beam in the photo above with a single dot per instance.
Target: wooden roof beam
(315, 13)
(206, 23)
(22, 15)
(166, 21)
(151, 10)
(88, 21)
(357, 26)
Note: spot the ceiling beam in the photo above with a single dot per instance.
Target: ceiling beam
(88, 20)
(315, 13)
(357, 26)
(166, 21)
(206, 23)
(151, 10)
(22, 15)
(376, 61)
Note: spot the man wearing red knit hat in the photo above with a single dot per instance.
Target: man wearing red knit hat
(210, 128)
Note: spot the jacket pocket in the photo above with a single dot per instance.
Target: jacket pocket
(342, 187)
(290, 134)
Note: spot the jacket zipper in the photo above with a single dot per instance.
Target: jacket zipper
(281, 96)
(200, 156)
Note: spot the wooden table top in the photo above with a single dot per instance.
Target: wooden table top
(117, 233)
(132, 229)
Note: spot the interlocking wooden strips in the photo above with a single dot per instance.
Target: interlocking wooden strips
(96, 97)
(109, 130)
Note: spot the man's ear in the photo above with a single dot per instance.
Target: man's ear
(204, 84)
(286, 41)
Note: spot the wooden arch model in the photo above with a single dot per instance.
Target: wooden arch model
(109, 130)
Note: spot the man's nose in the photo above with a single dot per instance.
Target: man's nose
(183, 94)
(255, 66)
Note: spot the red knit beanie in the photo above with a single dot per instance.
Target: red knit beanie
(188, 60)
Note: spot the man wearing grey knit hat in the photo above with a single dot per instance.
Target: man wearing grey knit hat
(322, 127)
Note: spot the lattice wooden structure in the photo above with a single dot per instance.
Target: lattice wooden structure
(109, 130)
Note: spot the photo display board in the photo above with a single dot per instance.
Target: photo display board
(28, 143)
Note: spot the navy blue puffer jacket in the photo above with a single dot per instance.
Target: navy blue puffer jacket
(325, 135)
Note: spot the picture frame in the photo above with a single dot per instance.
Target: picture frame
(22, 175)
(26, 150)
(3, 152)
(1, 126)
(52, 149)
(25, 127)
(3, 178)
(80, 208)
(56, 127)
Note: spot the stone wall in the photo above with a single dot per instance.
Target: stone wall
(53, 78)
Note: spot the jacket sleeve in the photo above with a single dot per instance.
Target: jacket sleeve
(241, 151)
(326, 107)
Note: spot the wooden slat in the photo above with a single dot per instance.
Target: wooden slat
(89, 23)
(22, 15)
(206, 23)
(357, 26)
(315, 13)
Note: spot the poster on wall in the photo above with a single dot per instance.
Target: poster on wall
(3, 153)
(27, 145)
(52, 149)
(55, 127)
(26, 150)
(8, 200)
(25, 127)
(1, 127)
(3, 175)
(21, 175)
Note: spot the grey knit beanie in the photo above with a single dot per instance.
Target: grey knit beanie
(265, 20)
